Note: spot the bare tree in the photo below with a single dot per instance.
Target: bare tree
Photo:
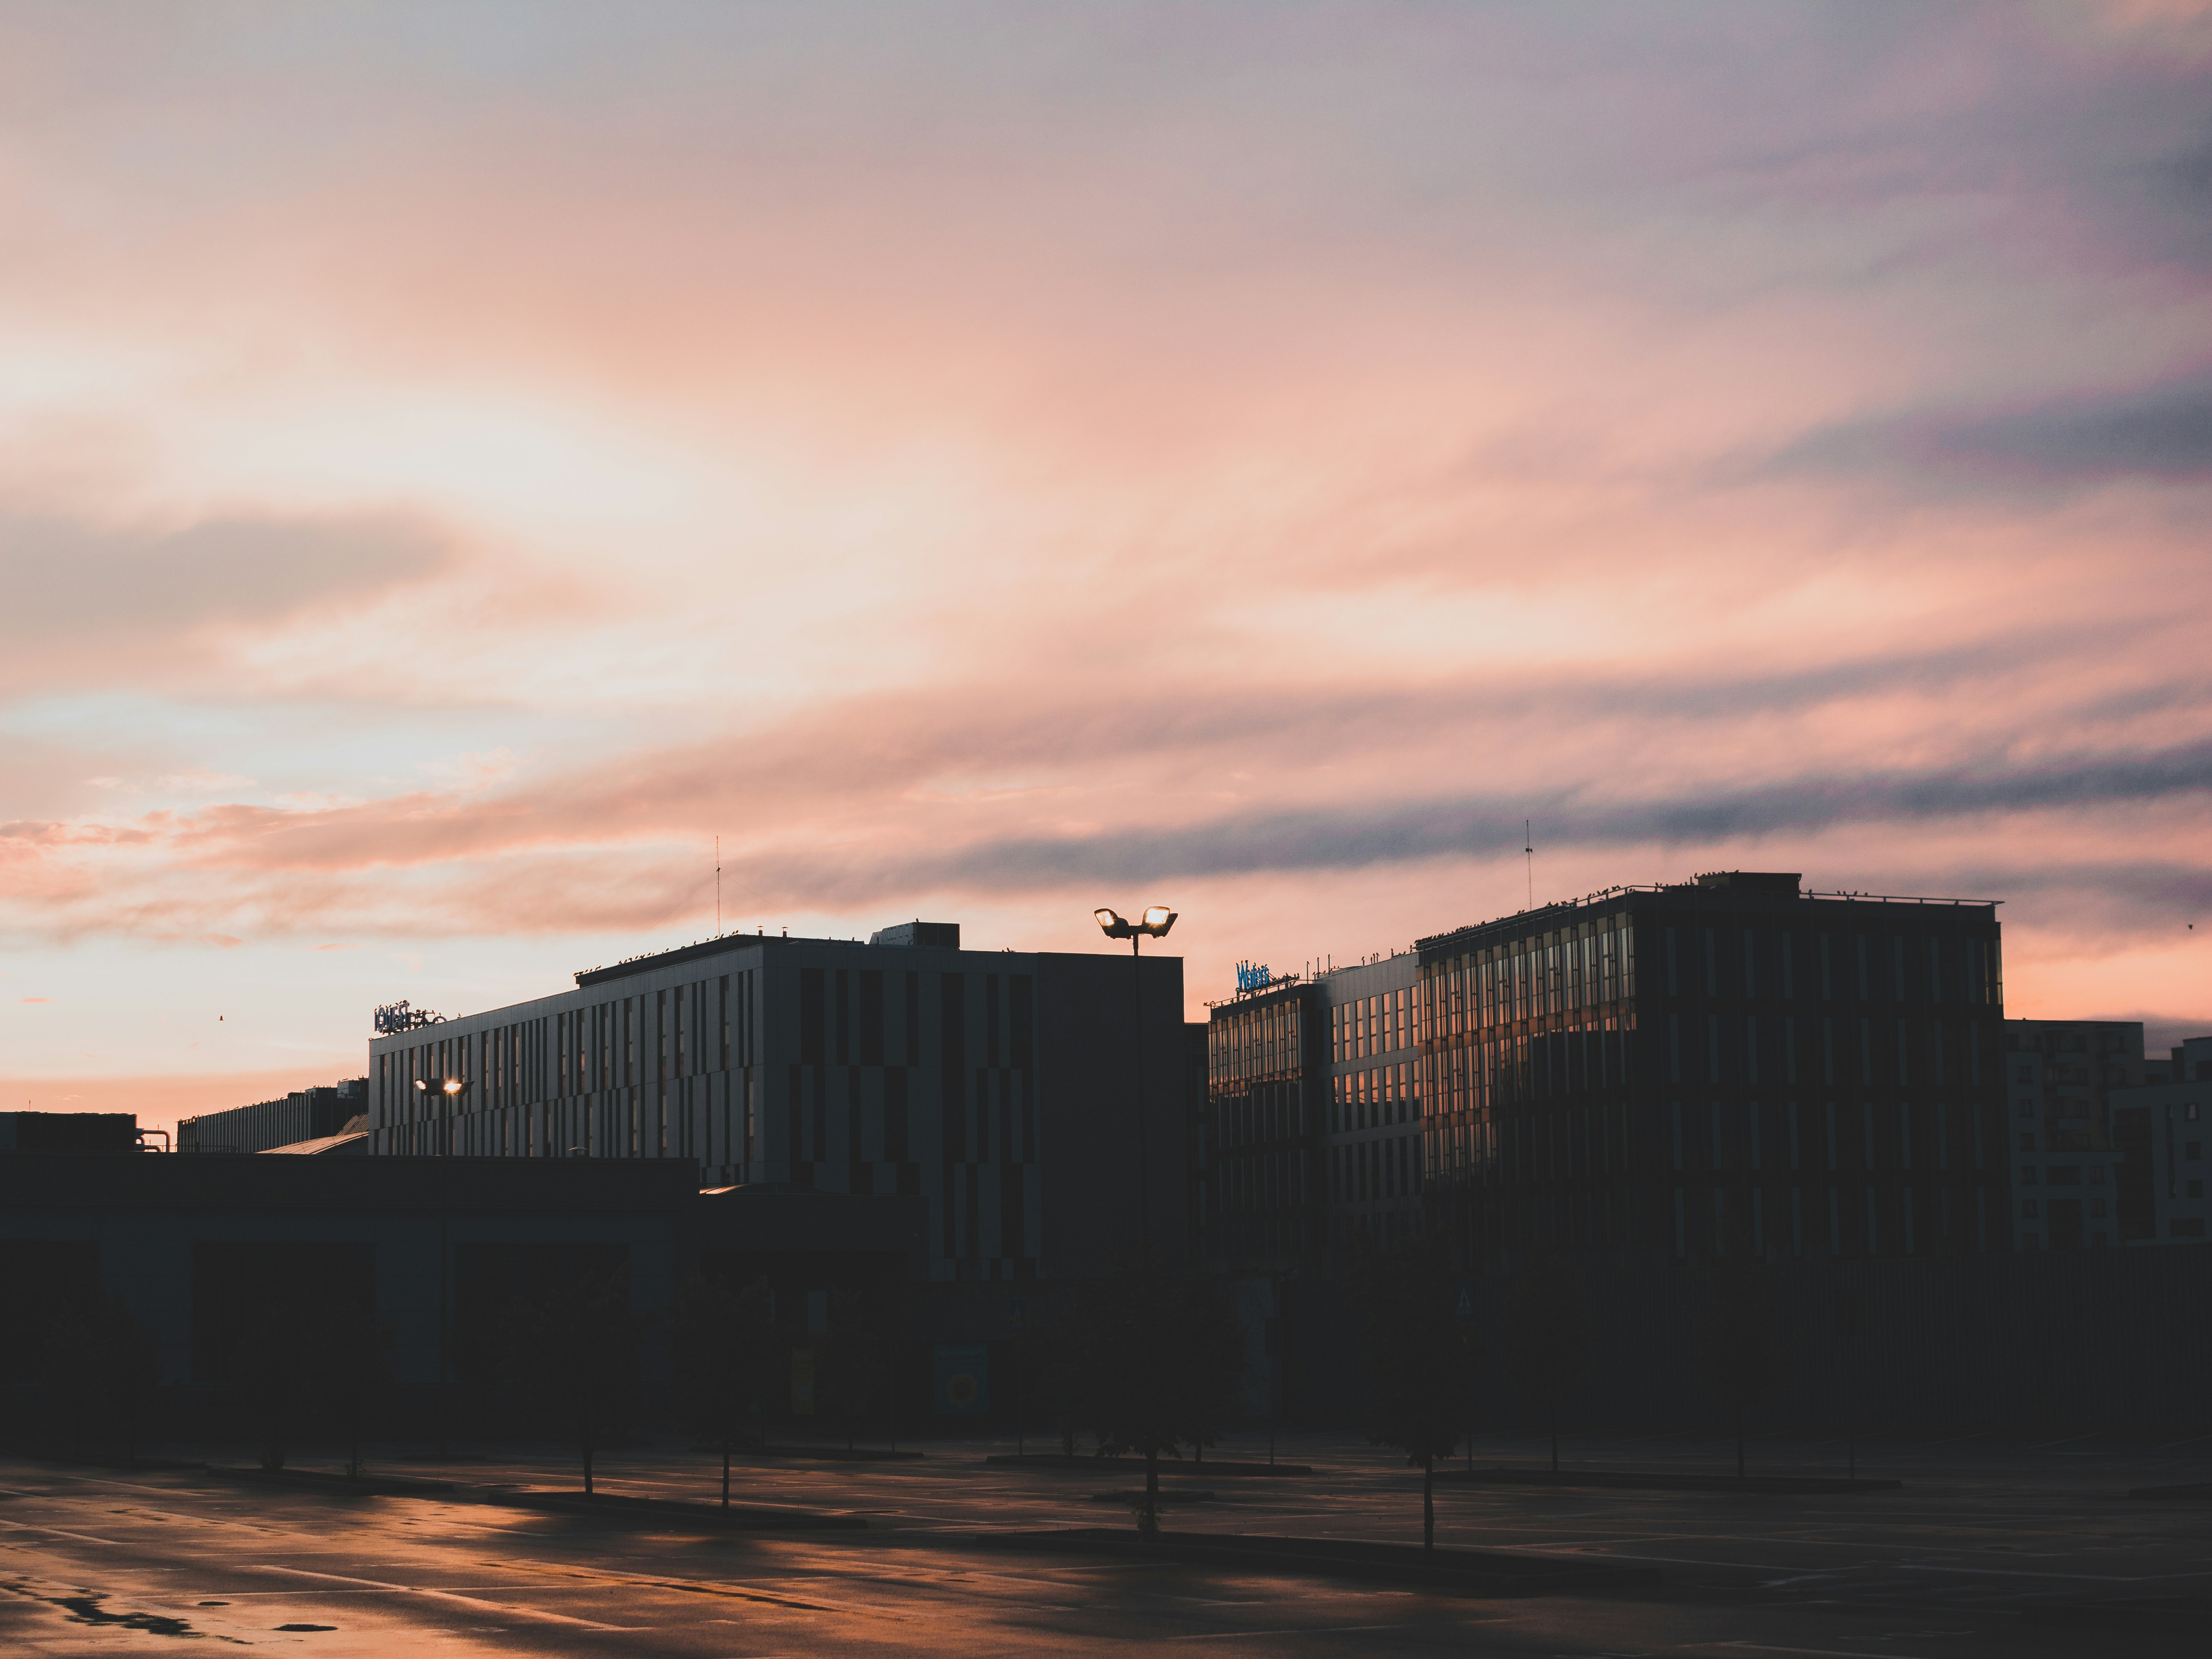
(101, 1374)
(346, 1372)
(1162, 1357)
(1545, 1337)
(1417, 1365)
(723, 1345)
(575, 1354)
(1740, 1341)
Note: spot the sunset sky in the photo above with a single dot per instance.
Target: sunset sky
(985, 462)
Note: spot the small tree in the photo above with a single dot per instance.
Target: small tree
(851, 1378)
(1417, 1378)
(722, 1345)
(101, 1371)
(1546, 1329)
(269, 1373)
(1162, 1357)
(575, 1353)
(345, 1371)
(1739, 1341)
(1052, 1379)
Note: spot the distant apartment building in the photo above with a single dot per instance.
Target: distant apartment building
(2159, 1133)
(2060, 1078)
(1001, 1087)
(304, 1115)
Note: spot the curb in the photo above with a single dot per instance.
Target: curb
(1480, 1574)
(737, 1516)
(385, 1486)
(1176, 1465)
(1634, 1480)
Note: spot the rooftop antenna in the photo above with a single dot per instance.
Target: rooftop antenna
(718, 887)
(1529, 847)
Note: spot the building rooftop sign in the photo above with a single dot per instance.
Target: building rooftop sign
(1252, 977)
(393, 1017)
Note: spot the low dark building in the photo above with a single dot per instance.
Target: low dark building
(69, 1132)
(1000, 1088)
(436, 1248)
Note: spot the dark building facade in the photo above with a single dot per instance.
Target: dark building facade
(1732, 1064)
(1000, 1087)
(1314, 1124)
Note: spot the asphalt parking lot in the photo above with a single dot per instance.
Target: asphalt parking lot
(1985, 1545)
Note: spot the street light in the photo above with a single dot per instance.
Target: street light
(453, 1088)
(1156, 921)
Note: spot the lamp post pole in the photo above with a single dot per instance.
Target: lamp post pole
(1137, 1024)
(1156, 921)
(449, 1099)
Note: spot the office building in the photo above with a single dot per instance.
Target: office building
(1000, 1087)
(1728, 1065)
(321, 1114)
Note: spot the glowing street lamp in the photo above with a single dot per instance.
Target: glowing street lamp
(1158, 919)
(453, 1088)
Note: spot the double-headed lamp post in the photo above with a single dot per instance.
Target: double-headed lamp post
(451, 1088)
(1155, 925)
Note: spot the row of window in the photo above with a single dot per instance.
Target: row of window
(1260, 1041)
(1367, 1026)
(1374, 1172)
(1866, 1051)
(1590, 966)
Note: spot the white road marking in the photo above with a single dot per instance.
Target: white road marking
(450, 1595)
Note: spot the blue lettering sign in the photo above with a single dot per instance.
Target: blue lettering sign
(1252, 977)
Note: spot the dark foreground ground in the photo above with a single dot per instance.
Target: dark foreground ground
(1987, 1544)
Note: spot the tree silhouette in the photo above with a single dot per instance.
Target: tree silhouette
(269, 1373)
(574, 1354)
(101, 1373)
(1740, 1343)
(851, 1377)
(724, 1348)
(1545, 1332)
(345, 1371)
(1052, 1382)
(1162, 1358)
(1417, 1365)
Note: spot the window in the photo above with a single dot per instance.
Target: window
(2027, 1109)
(2096, 1209)
(2028, 1175)
(2026, 1075)
(2027, 1209)
(2193, 1151)
(2028, 1143)
(2197, 1188)
(2096, 1175)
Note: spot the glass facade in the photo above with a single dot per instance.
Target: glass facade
(1733, 1066)
(1261, 1142)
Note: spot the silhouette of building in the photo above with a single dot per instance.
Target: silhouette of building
(2158, 1134)
(1729, 1064)
(305, 1114)
(1000, 1087)
(1667, 1072)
